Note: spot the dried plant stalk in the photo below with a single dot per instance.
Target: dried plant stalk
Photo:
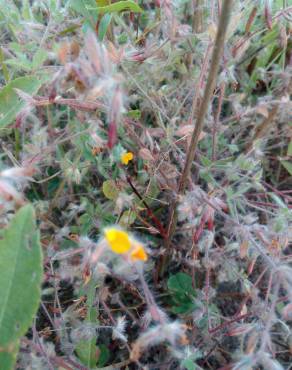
(198, 24)
(210, 85)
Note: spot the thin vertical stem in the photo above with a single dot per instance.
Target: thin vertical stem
(212, 78)
(216, 120)
(198, 24)
(210, 85)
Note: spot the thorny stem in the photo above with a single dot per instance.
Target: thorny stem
(210, 85)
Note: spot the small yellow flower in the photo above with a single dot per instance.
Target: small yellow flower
(121, 243)
(138, 253)
(118, 240)
(126, 157)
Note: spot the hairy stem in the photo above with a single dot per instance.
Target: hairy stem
(210, 85)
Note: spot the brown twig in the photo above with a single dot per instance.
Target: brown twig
(212, 78)
(197, 25)
(210, 85)
(41, 101)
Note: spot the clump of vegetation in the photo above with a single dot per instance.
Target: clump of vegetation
(145, 181)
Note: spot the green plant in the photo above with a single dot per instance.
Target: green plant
(182, 293)
(156, 154)
(20, 282)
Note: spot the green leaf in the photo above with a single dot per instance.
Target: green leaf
(20, 281)
(181, 283)
(83, 7)
(120, 6)
(87, 352)
(8, 357)
(184, 308)
(40, 56)
(206, 161)
(26, 10)
(287, 165)
(289, 152)
(127, 218)
(103, 355)
(134, 113)
(102, 2)
(181, 298)
(103, 26)
(10, 103)
(122, 38)
(19, 65)
(110, 190)
(85, 221)
(3, 66)
(188, 364)
(182, 293)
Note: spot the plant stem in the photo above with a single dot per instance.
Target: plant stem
(216, 121)
(212, 78)
(17, 142)
(197, 25)
(210, 85)
(157, 223)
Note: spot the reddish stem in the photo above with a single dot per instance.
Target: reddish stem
(157, 223)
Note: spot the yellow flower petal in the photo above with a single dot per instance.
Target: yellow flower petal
(139, 253)
(118, 240)
(126, 157)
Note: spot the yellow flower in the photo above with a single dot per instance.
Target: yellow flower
(121, 243)
(118, 240)
(138, 253)
(126, 157)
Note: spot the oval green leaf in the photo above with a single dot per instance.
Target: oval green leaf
(110, 190)
(10, 103)
(120, 6)
(20, 281)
